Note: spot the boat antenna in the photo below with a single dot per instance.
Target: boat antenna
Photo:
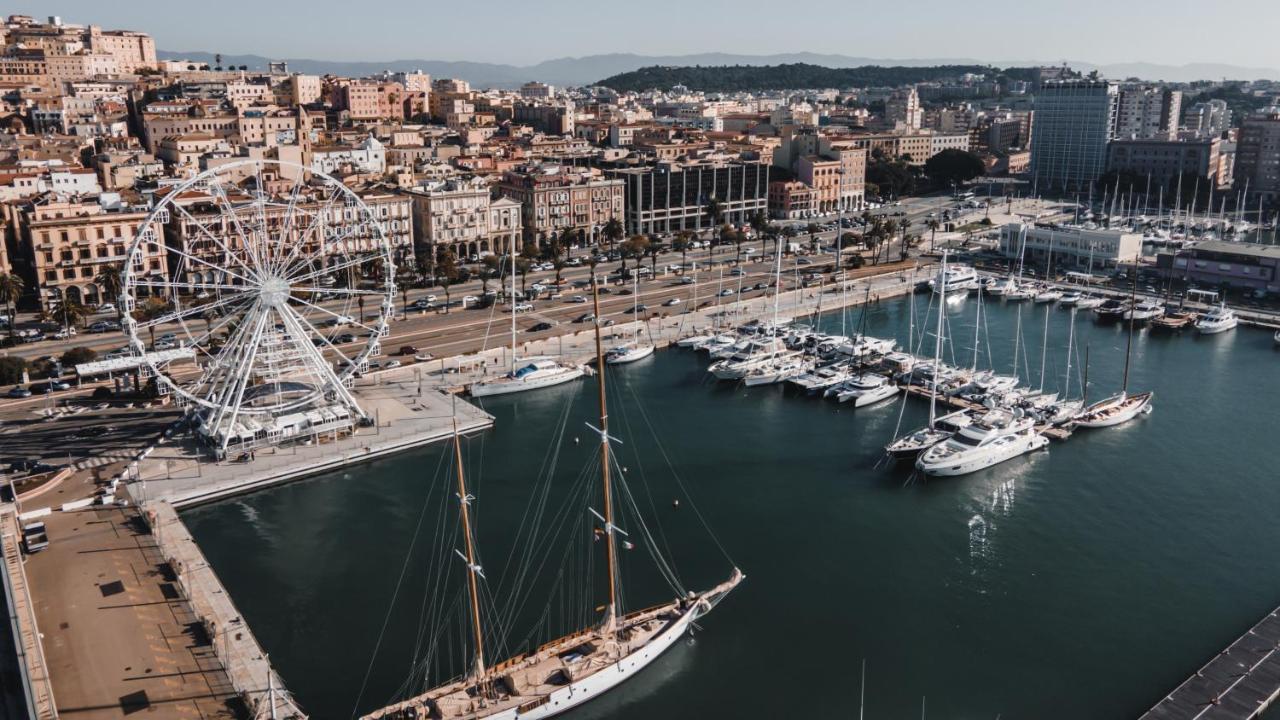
(611, 551)
(473, 567)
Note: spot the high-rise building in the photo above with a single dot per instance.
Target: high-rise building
(1075, 119)
(1146, 112)
(1257, 166)
(1208, 119)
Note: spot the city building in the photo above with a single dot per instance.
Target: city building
(671, 197)
(459, 213)
(1073, 248)
(1244, 266)
(368, 157)
(1257, 157)
(1146, 112)
(559, 197)
(1207, 119)
(1164, 160)
(1075, 119)
(790, 200)
(902, 108)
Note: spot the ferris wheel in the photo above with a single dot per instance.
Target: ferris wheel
(278, 279)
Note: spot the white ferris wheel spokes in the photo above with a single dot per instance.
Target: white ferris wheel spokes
(280, 280)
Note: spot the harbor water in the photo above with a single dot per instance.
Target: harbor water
(1085, 581)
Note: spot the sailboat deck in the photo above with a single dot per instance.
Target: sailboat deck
(956, 402)
(527, 681)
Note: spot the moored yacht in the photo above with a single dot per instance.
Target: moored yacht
(1110, 310)
(1117, 409)
(866, 389)
(530, 374)
(995, 437)
(1047, 295)
(1089, 302)
(629, 353)
(958, 279)
(1069, 299)
(1217, 320)
(1144, 310)
(821, 378)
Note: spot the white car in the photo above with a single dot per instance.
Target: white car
(672, 302)
(344, 320)
(523, 307)
(424, 357)
(64, 333)
(578, 299)
(107, 307)
(470, 300)
(391, 364)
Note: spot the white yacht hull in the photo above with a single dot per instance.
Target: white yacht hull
(506, 386)
(630, 355)
(872, 397)
(1215, 328)
(1113, 411)
(981, 458)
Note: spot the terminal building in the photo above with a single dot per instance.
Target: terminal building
(1072, 248)
(1242, 266)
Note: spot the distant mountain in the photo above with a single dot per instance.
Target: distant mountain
(589, 69)
(741, 78)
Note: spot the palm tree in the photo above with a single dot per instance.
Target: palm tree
(715, 211)
(683, 240)
(446, 272)
(111, 280)
(65, 311)
(11, 286)
(887, 231)
(812, 229)
(614, 232)
(153, 308)
(523, 265)
(933, 225)
(737, 237)
(404, 278)
(903, 226)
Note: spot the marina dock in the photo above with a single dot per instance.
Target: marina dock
(1239, 683)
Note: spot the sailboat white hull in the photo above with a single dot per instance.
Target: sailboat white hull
(871, 397)
(1114, 410)
(506, 386)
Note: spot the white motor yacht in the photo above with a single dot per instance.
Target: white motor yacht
(1089, 302)
(1069, 299)
(958, 279)
(1018, 293)
(530, 374)
(995, 437)
(1048, 295)
(821, 378)
(1217, 320)
(1144, 310)
(780, 369)
(755, 354)
(866, 389)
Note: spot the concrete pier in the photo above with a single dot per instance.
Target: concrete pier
(246, 663)
(20, 613)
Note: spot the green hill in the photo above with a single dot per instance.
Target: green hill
(734, 78)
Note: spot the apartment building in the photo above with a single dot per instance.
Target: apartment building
(1257, 161)
(1164, 160)
(1146, 112)
(559, 197)
(66, 242)
(460, 214)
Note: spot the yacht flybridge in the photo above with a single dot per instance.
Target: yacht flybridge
(575, 668)
(956, 279)
(530, 373)
(993, 438)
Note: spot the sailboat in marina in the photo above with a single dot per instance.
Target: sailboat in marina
(1121, 407)
(575, 668)
(636, 348)
(531, 373)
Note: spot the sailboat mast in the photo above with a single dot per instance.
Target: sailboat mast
(977, 327)
(1128, 348)
(512, 255)
(937, 339)
(1071, 337)
(473, 568)
(1044, 345)
(611, 552)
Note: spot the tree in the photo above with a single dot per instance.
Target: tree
(523, 265)
(614, 232)
(715, 211)
(634, 247)
(110, 280)
(737, 237)
(11, 369)
(933, 225)
(446, 272)
(11, 286)
(903, 226)
(812, 229)
(490, 268)
(653, 249)
(760, 224)
(65, 311)
(681, 244)
(153, 308)
(78, 356)
(404, 278)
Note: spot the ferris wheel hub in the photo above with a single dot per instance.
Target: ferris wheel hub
(274, 291)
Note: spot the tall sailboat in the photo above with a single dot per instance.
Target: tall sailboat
(578, 667)
(1121, 407)
(637, 348)
(529, 373)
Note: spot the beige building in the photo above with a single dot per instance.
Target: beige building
(67, 244)
(460, 214)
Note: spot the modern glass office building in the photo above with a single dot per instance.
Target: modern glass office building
(1075, 119)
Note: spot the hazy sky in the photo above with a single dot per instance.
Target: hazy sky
(524, 32)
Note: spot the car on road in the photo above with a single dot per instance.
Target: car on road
(100, 327)
(391, 364)
(760, 286)
(421, 304)
(93, 431)
(345, 338)
(726, 292)
(107, 308)
(19, 392)
(522, 307)
(423, 357)
(672, 302)
(803, 261)
(687, 281)
(540, 327)
(578, 300)
(407, 350)
(164, 345)
(637, 309)
(469, 300)
(64, 333)
(584, 318)
(737, 272)
(344, 320)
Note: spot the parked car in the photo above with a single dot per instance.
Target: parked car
(100, 327)
(391, 364)
(407, 350)
(540, 327)
(578, 299)
(522, 307)
(19, 392)
(107, 308)
(34, 537)
(672, 302)
(584, 318)
(469, 300)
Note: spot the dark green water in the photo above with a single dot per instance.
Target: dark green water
(1082, 582)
